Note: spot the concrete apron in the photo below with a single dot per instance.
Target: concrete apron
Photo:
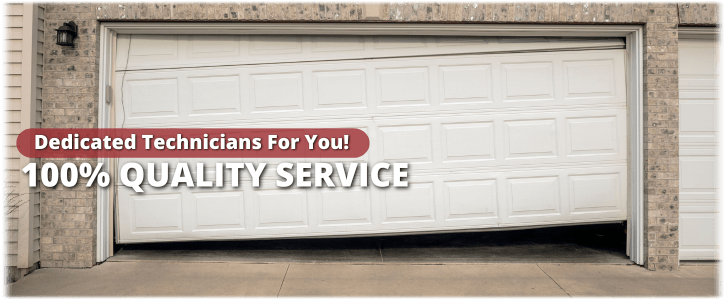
(345, 279)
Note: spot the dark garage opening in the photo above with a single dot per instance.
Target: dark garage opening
(599, 243)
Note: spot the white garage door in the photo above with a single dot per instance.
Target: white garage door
(698, 74)
(499, 132)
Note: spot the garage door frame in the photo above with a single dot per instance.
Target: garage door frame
(634, 82)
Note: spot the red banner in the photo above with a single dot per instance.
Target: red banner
(204, 142)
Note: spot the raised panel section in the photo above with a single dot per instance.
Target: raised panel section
(594, 193)
(153, 98)
(465, 200)
(533, 196)
(698, 57)
(152, 47)
(275, 44)
(207, 46)
(698, 229)
(339, 89)
(215, 95)
(406, 143)
(530, 139)
(466, 84)
(277, 92)
(528, 82)
(592, 136)
(697, 116)
(589, 79)
(282, 208)
(219, 210)
(412, 204)
(698, 172)
(397, 87)
(468, 141)
(157, 213)
(345, 206)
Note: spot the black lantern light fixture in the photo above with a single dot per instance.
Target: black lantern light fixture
(67, 33)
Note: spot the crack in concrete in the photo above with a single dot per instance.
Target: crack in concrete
(283, 280)
(548, 275)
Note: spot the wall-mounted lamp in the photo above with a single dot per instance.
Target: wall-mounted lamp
(66, 34)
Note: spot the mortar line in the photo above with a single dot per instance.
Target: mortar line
(283, 280)
(548, 275)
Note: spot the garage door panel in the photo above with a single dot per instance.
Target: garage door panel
(698, 144)
(470, 199)
(359, 89)
(413, 204)
(277, 208)
(410, 143)
(344, 89)
(533, 196)
(344, 206)
(157, 213)
(456, 200)
(495, 140)
(468, 141)
(219, 210)
(211, 46)
(151, 98)
(157, 51)
(594, 193)
(512, 140)
(215, 95)
(276, 92)
(402, 86)
(530, 138)
(465, 84)
(149, 49)
(698, 221)
(592, 136)
(589, 79)
(528, 81)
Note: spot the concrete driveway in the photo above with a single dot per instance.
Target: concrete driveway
(368, 279)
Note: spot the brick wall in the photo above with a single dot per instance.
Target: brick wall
(68, 215)
(661, 135)
(71, 96)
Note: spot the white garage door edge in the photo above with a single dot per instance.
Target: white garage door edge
(634, 81)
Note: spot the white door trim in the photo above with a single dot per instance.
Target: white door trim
(634, 77)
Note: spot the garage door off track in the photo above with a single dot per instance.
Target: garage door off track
(499, 132)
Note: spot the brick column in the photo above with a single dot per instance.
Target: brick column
(661, 136)
(70, 100)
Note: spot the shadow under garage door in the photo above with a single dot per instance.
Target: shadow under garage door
(602, 243)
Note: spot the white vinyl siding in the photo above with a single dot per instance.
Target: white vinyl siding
(23, 71)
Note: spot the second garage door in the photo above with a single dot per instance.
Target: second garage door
(498, 132)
